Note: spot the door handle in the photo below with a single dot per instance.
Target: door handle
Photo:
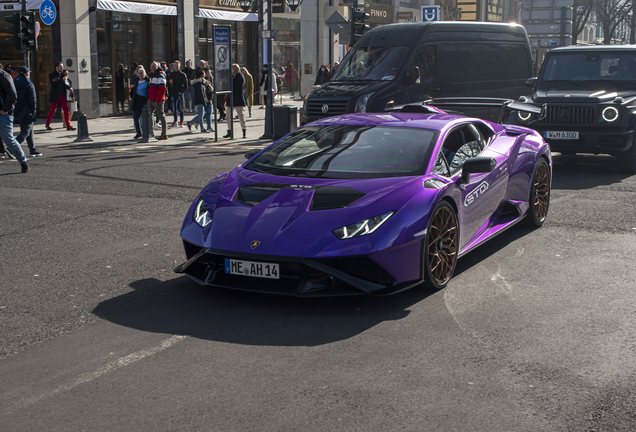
(435, 89)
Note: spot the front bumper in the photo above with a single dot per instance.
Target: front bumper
(301, 277)
(590, 141)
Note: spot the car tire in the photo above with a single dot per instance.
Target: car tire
(441, 246)
(627, 160)
(539, 201)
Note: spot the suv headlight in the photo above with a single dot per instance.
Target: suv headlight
(201, 215)
(361, 104)
(610, 114)
(364, 227)
(524, 116)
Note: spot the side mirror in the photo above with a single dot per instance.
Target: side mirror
(413, 75)
(250, 154)
(530, 82)
(476, 165)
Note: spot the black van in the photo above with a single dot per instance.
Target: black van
(590, 93)
(397, 64)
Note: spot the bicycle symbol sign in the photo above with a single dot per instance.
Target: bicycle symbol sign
(47, 12)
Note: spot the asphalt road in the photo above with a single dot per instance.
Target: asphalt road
(536, 332)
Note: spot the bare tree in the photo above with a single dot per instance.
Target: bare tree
(610, 14)
(582, 11)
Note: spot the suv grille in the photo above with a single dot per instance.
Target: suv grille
(569, 115)
(314, 108)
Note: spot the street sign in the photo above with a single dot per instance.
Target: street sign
(549, 14)
(430, 13)
(222, 59)
(48, 12)
(548, 28)
(336, 22)
(546, 3)
(546, 42)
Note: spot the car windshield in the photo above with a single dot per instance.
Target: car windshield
(371, 63)
(351, 151)
(590, 69)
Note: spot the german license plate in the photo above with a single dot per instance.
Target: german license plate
(561, 135)
(251, 268)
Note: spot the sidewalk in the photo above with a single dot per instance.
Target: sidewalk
(120, 130)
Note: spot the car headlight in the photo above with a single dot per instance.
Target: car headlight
(524, 116)
(201, 215)
(363, 227)
(305, 105)
(610, 114)
(361, 104)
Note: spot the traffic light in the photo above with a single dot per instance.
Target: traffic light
(29, 38)
(358, 27)
(14, 31)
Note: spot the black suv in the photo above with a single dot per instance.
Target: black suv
(590, 94)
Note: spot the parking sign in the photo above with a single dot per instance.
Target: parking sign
(430, 13)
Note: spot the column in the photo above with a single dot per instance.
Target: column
(76, 52)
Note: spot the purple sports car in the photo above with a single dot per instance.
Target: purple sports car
(366, 203)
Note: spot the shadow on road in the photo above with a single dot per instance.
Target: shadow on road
(237, 317)
(585, 171)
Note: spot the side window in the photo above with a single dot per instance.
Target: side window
(461, 144)
(441, 167)
(424, 59)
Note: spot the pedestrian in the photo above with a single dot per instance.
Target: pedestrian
(57, 96)
(68, 90)
(291, 78)
(120, 94)
(189, 95)
(209, 92)
(238, 81)
(178, 83)
(157, 95)
(333, 69)
(139, 95)
(264, 84)
(249, 89)
(322, 76)
(200, 99)
(25, 109)
(8, 98)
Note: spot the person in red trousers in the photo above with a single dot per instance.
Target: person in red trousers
(57, 96)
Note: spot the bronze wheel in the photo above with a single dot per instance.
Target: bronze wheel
(441, 246)
(539, 194)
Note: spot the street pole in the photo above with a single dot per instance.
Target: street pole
(26, 51)
(269, 112)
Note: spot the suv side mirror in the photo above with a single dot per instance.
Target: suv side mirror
(530, 82)
(413, 75)
(477, 165)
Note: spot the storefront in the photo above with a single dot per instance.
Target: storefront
(130, 34)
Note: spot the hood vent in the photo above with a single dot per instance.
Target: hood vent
(253, 194)
(325, 197)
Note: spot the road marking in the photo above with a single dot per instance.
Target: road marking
(110, 367)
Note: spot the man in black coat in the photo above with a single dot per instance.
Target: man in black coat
(8, 98)
(25, 109)
(189, 93)
(57, 96)
(238, 99)
(177, 85)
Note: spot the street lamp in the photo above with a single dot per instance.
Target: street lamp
(246, 5)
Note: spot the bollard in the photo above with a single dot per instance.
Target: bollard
(82, 128)
(147, 132)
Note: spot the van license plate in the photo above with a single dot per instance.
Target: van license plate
(250, 268)
(561, 135)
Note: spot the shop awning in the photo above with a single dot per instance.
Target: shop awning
(156, 9)
(134, 7)
(227, 15)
